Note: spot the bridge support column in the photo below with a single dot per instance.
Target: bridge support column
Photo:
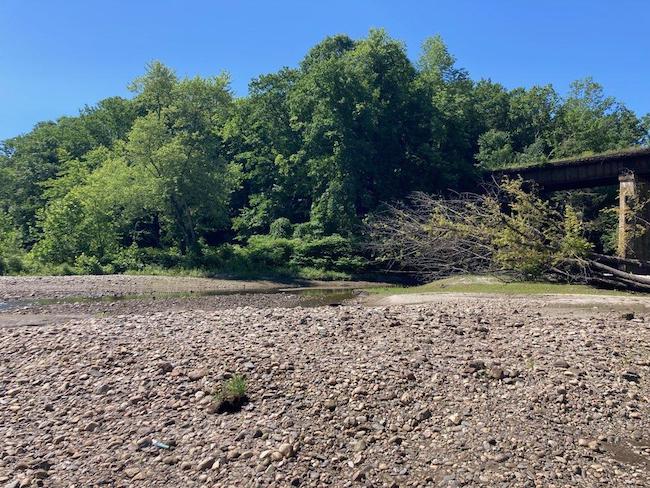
(633, 193)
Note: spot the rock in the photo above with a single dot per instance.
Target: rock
(41, 464)
(476, 365)
(143, 442)
(628, 315)
(561, 363)
(455, 419)
(423, 415)
(496, 373)
(594, 445)
(170, 460)
(142, 475)
(329, 404)
(206, 463)
(277, 456)
(502, 457)
(233, 454)
(131, 472)
(286, 449)
(40, 474)
(91, 427)
(196, 374)
(165, 367)
(359, 391)
(631, 376)
(358, 446)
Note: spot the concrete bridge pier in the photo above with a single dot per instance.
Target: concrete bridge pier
(633, 239)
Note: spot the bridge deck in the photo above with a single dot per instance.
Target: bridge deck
(585, 172)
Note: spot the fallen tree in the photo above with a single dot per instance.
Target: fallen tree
(506, 230)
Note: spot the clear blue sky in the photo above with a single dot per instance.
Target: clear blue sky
(58, 55)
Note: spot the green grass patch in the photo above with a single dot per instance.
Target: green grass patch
(231, 396)
(489, 284)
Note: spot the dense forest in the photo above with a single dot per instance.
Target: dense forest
(185, 175)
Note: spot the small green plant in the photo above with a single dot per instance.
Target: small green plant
(231, 396)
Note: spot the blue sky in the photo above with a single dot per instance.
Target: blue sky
(58, 55)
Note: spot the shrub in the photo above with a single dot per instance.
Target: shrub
(167, 258)
(281, 228)
(307, 230)
(331, 253)
(270, 251)
(14, 264)
(127, 259)
(88, 265)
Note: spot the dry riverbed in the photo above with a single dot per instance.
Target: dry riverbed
(457, 391)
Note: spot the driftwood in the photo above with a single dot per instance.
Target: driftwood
(435, 238)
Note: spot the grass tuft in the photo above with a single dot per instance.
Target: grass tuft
(231, 396)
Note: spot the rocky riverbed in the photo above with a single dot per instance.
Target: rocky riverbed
(54, 287)
(462, 391)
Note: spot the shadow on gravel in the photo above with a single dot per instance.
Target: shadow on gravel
(232, 406)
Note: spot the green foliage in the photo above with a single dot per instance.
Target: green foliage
(178, 145)
(333, 252)
(11, 251)
(538, 125)
(495, 149)
(281, 228)
(231, 394)
(530, 238)
(307, 230)
(269, 251)
(95, 216)
(172, 177)
(88, 265)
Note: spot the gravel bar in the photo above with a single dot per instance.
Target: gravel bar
(460, 392)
